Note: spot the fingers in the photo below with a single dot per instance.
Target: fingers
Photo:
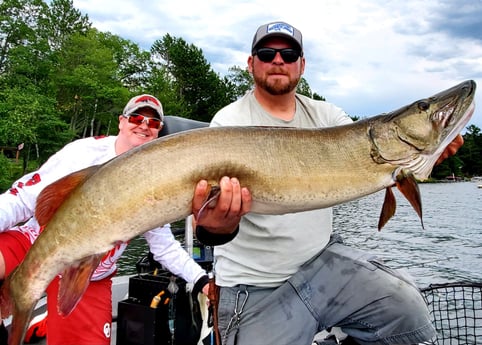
(451, 149)
(201, 193)
(229, 202)
(223, 215)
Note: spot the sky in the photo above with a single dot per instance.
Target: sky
(367, 57)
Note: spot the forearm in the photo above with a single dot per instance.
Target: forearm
(13, 211)
(168, 251)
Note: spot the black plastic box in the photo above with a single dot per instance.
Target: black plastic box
(139, 324)
(143, 288)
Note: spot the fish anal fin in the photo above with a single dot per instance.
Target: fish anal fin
(74, 282)
(52, 196)
(388, 208)
(407, 185)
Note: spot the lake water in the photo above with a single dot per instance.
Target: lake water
(448, 249)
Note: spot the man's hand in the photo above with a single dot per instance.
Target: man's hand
(451, 149)
(223, 215)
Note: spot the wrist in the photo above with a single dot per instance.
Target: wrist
(198, 286)
(207, 237)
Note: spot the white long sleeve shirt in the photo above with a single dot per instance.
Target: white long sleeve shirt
(17, 206)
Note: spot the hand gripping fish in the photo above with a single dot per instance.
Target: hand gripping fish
(286, 170)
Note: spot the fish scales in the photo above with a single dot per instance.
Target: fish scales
(286, 170)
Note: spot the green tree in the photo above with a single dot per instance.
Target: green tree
(6, 177)
(28, 117)
(241, 80)
(196, 84)
(18, 26)
(62, 21)
(89, 91)
(304, 88)
(471, 152)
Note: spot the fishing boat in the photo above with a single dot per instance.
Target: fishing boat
(455, 308)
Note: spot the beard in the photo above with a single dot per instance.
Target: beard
(277, 86)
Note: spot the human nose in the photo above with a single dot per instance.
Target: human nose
(278, 58)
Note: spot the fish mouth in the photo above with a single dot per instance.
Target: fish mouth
(451, 125)
(445, 115)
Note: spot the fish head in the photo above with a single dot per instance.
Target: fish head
(414, 136)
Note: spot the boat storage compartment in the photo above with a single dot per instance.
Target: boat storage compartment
(160, 310)
(138, 322)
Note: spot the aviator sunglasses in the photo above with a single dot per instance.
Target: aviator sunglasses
(138, 119)
(288, 55)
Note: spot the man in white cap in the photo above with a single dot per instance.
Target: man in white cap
(284, 278)
(90, 321)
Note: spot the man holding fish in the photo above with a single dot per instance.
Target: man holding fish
(284, 278)
(90, 322)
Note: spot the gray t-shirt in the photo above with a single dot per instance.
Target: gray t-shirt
(269, 249)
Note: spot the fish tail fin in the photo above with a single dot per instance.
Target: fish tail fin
(18, 330)
(5, 300)
(52, 196)
(20, 317)
(74, 282)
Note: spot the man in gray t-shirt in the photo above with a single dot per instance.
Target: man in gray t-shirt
(284, 278)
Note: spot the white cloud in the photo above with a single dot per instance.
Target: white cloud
(367, 57)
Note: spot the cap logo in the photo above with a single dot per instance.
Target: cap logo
(281, 27)
(147, 99)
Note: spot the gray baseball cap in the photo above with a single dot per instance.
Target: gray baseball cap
(277, 29)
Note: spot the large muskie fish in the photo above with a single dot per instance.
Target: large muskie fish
(287, 170)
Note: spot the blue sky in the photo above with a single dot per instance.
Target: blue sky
(368, 56)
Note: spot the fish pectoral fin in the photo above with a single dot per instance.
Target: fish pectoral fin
(74, 282)
(214, 192)
(52, 196)
(407, 185)
(388, 208)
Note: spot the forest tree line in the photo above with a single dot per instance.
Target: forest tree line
(62, 79)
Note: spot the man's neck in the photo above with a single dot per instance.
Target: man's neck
(280, 106)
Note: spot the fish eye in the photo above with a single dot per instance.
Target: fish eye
(423, 105)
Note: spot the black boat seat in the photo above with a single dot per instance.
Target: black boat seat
(174, 124)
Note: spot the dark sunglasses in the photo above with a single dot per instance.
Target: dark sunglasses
(138, 119)
(288, 55)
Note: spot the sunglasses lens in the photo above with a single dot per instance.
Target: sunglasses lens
(154, 123)
(137, 120)
(266, 54)
(288, 55)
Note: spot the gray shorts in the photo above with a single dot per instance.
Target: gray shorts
(341, 287)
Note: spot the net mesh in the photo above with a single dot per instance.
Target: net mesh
(456, 311)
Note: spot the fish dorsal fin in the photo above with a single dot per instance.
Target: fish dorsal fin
(74, 282)
(407, 185)
(388, 208)
(52, 196)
